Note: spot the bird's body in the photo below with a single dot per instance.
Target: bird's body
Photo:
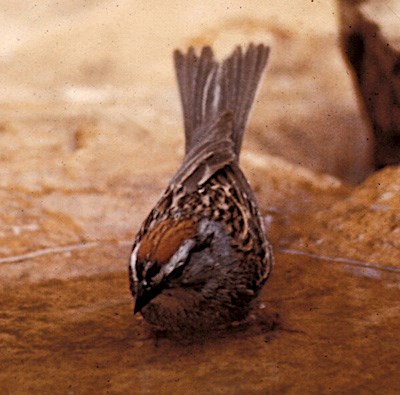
(202, 256)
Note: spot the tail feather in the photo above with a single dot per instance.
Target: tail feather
(196, 78)
(241, 74)
(209, 89)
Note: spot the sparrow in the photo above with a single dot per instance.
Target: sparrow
(201, 257)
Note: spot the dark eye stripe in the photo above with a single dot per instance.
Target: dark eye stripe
(152, 271)
(139, 270)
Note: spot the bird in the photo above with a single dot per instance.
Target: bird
(201, 257)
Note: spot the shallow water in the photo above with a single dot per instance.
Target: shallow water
(319, 328)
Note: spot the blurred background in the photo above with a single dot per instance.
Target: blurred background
(112, 60)
(91, 127)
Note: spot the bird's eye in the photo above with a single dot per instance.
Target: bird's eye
(151, 271)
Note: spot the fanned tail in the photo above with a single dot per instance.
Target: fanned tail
(216, 100)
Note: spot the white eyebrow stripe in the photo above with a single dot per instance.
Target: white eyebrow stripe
(133, 262)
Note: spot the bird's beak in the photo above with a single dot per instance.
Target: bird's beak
(144, 295)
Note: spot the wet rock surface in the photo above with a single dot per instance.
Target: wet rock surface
(321, 329)
(85, 153)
